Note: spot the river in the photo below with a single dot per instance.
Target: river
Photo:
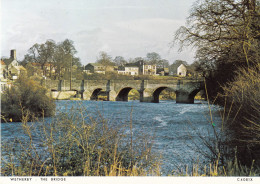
(174, 127)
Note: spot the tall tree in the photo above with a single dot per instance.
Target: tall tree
(64, 57)
(119, 61)
(226, 34)
(223, 29)
(42, 53)
(105, 59)
(61, 55)
(153, 58)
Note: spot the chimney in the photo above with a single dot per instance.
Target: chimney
(13, 54)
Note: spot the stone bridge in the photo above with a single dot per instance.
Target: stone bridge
(117, 90)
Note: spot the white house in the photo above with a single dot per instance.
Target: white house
(131, 70)
(182, 70)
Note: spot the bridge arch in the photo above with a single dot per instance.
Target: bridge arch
(195, 92)
(157, 92)
(123, 94)
(95, 93)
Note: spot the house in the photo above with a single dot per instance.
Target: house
(128, 70)
(46, 69)
(144, 68)
(99, 68)
(3, 70)
(149, 69)
(13, 69)
(163, 71)
(182, 70)
(132, 70)
(94, 68)
(121, 70)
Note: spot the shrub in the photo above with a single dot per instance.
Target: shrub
(76, 144)
(26, 97)
(242, 98)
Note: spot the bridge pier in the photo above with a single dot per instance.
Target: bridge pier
(184, 97)
(111, 95)
(146, 95)
(86, 95)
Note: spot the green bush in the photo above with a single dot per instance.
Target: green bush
(26, 98)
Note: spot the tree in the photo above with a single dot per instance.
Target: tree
(41, 53)
(226, 34)
(120, 61)
(26, 99)
(153, 58)
(105, 60)
(58, 55)
(64, 57)
(223, 30)
(131, 60)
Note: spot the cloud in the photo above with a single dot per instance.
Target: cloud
(126, 30)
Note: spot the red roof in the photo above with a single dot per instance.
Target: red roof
(2, 62)
(38, 64)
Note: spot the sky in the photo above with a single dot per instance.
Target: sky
(128, 28)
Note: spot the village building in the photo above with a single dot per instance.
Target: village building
(128, 70)
(121, 70)
(149, 69)
(3, 70)
(10, 70)
(38, 69)
(132, 70)
(15, 71)
(94, 68)
(12, 67)
(144, 68)
(163, 71)
(182, 70)
(99, 68)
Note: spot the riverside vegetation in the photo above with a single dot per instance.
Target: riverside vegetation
(26, 96)
(78, 145)
(226, 35)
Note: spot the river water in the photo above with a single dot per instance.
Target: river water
(175, 127)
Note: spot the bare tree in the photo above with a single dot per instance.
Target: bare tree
(222, 29)
(120, 61)
(42, 53)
